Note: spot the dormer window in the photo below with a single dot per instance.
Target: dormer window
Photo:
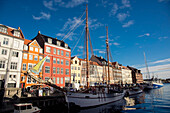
(17, 33)
(66, 45)
(58, 43)
(49, 40)
(25, 47)
(3, 29)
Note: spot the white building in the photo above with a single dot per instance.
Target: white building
(126, 75)
(11, 47)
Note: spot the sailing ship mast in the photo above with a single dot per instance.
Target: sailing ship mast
(87, 53)
(146, 66)
(107, 47)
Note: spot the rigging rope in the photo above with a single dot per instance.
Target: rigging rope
(90, 43)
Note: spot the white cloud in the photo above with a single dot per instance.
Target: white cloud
(70, 4)
(129, 23)
(96, 49)
(114, 10)
(49, 5)
(102, 36)
(43, 16)
(161, 61)
(80, 47)
(165, 37)
(93, 24)
(116, 44)
(60, 34)
(146, 34)
(122, 16)
(126, 4)
(102, 52)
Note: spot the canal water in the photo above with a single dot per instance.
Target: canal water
(153, 101)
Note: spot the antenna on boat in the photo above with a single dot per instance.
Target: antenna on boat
(107, 47)
(87, 53)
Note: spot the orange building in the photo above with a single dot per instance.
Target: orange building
(32, 54)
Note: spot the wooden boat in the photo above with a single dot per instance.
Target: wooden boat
(26, 108)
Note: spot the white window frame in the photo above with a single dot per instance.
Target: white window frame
(48, 49)
(30, 57)
(36, 49)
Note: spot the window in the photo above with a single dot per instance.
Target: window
(30, 57)
(33, 80)
(54, 51)
(49, 40)
(4, 52)
(2, 64)
(58, 80)
(72, 67)
(54, 70)
(23, 78)
(58, 61)
(48, 59)
(3, 29)
(10, 76)
(11, 85)
(76, 62)
(40, 58)
(58, 70)
(61, 80)
(62, 53)
(47, 69)
(58, 43)
(78, 74)
(36, 49)
(24, 67)
(54, 80)
(29, 66)
(67, 54)
(75, 68)
(5, 41)
(78, 68)
(16, 44)
(31, 48)
(13, 65)
(14, 76)
(62, 71)
(58, 52)
(46, 78)
(67, 62)
(48, 49)
(41, 50)
(17, 33)
(62, 61)
(54, 60)
(25, 47)
(28, 79)
(36, 58)
(67, 71)
(15, 54)
(66, 45)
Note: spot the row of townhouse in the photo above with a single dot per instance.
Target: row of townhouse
(98, 72)
(18, 54)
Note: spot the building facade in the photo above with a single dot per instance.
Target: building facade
(126, 75)
(57, 65)
(32, 54)
(11, 47)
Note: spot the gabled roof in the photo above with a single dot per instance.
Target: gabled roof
(10, 31)
(54, 40)
(26, 41)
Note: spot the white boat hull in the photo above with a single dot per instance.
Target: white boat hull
(85, 100)
(157, 85)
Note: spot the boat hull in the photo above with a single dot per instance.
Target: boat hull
(157, 85)
(133, 92)
(85, 100)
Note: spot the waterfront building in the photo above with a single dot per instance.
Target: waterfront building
(117, 73)
(126, 75)
(83, 81)
(11, 47)
(57, 65)
(136, 75)
(32, 54)
(75, 70)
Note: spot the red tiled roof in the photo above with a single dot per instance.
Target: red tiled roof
(26, 41)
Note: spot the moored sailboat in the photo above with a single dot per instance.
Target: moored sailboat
(94, 96)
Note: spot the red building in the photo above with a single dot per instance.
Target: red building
(57, 65)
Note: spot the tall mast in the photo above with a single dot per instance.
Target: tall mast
(107, 47)
(146, 65)
(87, 53)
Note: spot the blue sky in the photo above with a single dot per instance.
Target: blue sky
(135, 26)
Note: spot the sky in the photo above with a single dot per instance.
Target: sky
(134, 27)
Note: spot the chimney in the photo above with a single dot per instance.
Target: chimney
(39, 32)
